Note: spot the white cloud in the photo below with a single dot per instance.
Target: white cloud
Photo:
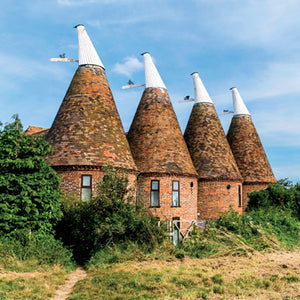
(255, 23)
(24, 68)
(288, 171)
(131, 65)
(75, 2)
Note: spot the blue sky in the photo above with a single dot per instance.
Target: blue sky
(253, 45)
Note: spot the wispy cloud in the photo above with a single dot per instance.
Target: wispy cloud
(75, 2)
(131, 65)
(24, 68)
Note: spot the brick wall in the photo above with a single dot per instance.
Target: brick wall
(248, 188)
(214, 196)
(187, 211)
(71, 180)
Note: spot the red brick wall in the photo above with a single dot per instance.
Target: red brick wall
(71, 181)
(188, 198)
(213, 197)
(248, 188)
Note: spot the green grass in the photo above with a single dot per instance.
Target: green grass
(219, 278)
(34, 285)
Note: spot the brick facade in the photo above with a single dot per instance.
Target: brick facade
(186, 211)
(71, 179)
(216, 196)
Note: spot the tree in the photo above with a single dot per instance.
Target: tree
(29, 187)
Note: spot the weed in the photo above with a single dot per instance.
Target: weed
(218, 278)
(291, 278)
(218, 289)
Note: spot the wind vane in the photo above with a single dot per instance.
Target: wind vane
(63, 58)
(186, 99)
(131, 85)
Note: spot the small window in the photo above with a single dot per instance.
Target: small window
(175, 193)
(176, 232)
(154, 193)
(240, 196)
(86, 187)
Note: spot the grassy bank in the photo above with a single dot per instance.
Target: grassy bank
(265, 275)
(39, 284)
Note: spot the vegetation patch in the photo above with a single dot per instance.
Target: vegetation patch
(257, 276)
(31, 285)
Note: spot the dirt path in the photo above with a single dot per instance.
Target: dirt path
(64, 291)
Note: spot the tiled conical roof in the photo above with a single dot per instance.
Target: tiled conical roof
(246, 146)
(155, 137)
(206, 139)
(87, 129)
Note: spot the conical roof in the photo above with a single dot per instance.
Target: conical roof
(87, 129)
(155, 137)
(239, 106)
(206, 139)
(246, 146)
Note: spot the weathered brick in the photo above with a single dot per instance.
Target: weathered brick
(155, 138)
(249, 155)
(216, 196)
(187, 211)
(71, 179)
(87, 129)
(213, 161)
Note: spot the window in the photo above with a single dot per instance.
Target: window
(86, 187)
(154, 193)
(240, 196)
(176, 232)
(175, 193)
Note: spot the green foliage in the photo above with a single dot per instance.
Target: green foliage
(284, 195)
(24, 251)
(236, 234)
(108, 219)
(280, 222)
(29, 187)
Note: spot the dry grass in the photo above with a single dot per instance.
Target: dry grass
(260, 276)
(31, 285)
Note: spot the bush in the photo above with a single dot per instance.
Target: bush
(109, 219)
(237, 234)
(283, 194)
(279, 221)
(29, 187)
(35, 248)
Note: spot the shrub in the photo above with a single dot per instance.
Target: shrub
(29, 187)
(283, 194)
(36, 248)
(110, 218)
(240, 234)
